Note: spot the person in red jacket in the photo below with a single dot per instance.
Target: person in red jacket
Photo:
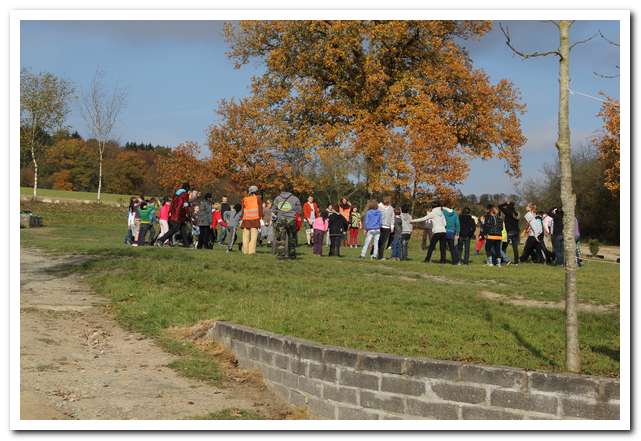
(178, 211)
(310, 213)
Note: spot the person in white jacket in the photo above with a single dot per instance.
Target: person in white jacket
(438, 231)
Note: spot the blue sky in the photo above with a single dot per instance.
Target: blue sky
(176, 72)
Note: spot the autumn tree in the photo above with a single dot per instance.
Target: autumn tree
(401, 95)
(44, 105)
(74, 160)
(183, 165)
(568, 198)
(101, 110)
(242, 149)
(608, 144)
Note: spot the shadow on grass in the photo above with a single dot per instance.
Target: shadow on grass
(521, 340)
(614, 354)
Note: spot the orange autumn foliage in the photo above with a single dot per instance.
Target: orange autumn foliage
(608, 144)
(183, 165)
(403, 96)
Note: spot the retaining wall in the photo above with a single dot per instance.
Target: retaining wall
(340, 383)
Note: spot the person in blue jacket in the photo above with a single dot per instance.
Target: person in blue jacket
(452, 231)
(372, 226)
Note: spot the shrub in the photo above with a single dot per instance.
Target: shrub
(594, 247)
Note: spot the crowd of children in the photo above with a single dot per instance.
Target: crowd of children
(196, 221)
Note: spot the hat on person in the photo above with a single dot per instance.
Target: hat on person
(253, 189)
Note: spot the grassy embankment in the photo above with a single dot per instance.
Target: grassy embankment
(408, 308)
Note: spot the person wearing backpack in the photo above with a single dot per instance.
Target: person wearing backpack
(468, 228)
(178, 211)
(286, 208)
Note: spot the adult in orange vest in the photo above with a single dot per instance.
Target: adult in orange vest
(251, 218)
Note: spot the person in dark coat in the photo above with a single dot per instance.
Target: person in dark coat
(337, 226)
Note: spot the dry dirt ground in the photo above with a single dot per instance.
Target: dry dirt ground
(78, 363)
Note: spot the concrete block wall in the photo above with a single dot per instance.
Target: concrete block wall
(341, 383)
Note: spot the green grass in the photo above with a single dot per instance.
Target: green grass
(408, 308)
(76, 195)
(198, 367)
(229, 414)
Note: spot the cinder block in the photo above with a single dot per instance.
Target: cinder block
(281, 361)
(322, 409)
(310, 386)
(590, 411)
(253, 352)
(350, 413)
(524, 401)
(500, 376)
(266, 356)
(459, 392)
(380, 363)
(358, 379)
(274, 375)
(563, 383)
(483, 413)
(298, 366)
(262, 340)
(297, 399)
(432, 410)
(290, 380)
(401, 385)
(322, 371)
(340, 394)
(310, 352)
(275, 344)
(340, 356)
(290, 348)
(239, 348)
(610, 390)
(444, 370)
(374, 400)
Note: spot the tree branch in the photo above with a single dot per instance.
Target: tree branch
(582, 41)
(609, 41)
(524, 55)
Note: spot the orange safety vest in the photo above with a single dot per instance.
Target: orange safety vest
(250, 208)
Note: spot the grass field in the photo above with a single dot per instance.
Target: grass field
(75, 195)
(408, 308)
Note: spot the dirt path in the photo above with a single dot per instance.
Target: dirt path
(77, 363)
(530, 303)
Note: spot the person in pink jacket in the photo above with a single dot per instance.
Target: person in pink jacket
(163, 217)
(320, 226)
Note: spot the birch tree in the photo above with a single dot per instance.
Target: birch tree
(568, 197)
(44, 105)
(100, 110)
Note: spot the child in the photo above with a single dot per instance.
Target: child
(195, 228)
(217, 221)
(232, 219)
(131, 222)
(337, 225)
(406, 231)
(493, 228)
(396, 238)
(164, 217)
(468, 227)
(145, 213)
(354, 227)
(320, 226)
(372, 228)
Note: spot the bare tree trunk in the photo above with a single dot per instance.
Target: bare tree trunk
(35, 173)
(100, 149)
(568, 200)
(35, 163)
